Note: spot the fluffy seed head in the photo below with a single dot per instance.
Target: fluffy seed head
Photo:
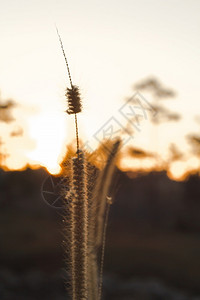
(74, 100)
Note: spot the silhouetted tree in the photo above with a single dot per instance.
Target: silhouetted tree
(194, 141)
(175, 153)
(161, 114)
(7, 117)
(159, 92)
(156, 88)
(138, 153)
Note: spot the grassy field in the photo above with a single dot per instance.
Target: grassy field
(172, 257)
(29, 241)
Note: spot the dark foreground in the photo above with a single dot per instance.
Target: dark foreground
(153, 240)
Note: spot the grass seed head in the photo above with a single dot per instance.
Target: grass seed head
(74, 100)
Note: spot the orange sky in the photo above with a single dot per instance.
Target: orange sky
(110, 46)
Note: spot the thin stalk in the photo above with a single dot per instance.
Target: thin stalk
(66, 61)
(77, 138)
(109, 202)
(70, 79)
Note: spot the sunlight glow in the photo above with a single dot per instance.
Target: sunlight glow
(47, 130)
(180, 170)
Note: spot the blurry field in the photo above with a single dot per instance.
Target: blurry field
(29, 241)
(35, 242)
(152, 237)
(172, 257)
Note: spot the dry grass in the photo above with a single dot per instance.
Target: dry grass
(87, 206)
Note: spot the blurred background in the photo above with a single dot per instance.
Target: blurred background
(137, 66)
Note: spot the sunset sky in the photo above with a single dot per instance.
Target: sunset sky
(110, 45)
